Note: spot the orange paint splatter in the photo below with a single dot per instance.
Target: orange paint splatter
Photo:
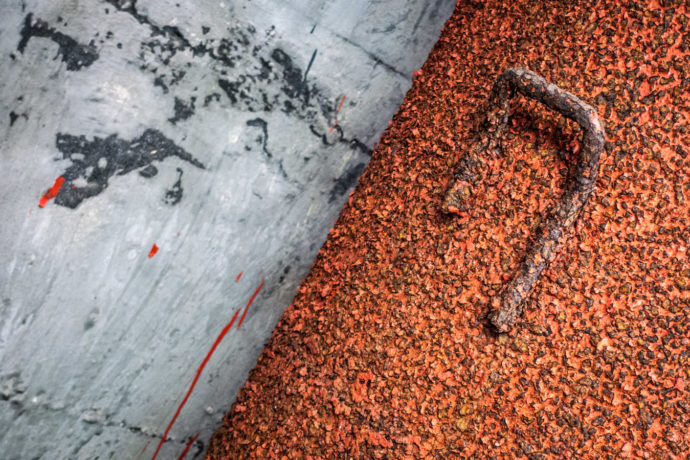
(238, 277)
(153, 251)
(340, 106)
(52, 192)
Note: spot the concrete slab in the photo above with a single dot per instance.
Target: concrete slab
(228, 135)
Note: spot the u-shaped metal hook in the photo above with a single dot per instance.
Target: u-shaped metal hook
(471, 169)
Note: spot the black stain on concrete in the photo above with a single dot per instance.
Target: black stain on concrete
(158, 81)
(210, 97)
(286, 270)
(266, 69)
(226, 52)
(173, 40)
(232, 88)
(14, 116)
(295, 83)
(182, 110)
(250, 91)
(263, 140)
(292, 75)
(174, 195)
(353, 143)
(74, 54)
(346, 181)
(148, 172)
(94, 162)
(261, 123)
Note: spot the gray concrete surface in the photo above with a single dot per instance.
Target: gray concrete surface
(210, 128)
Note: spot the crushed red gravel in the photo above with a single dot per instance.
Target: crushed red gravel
(387, 350)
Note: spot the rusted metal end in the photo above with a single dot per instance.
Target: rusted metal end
(470, 171)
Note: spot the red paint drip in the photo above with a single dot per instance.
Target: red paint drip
(244, 313)
(238, 277)
(196, 379)
(340, 106)
(52, 192)
(144, 448)
(187, 447)
(153, 251)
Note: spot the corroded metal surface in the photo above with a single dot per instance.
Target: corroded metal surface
(473, 167)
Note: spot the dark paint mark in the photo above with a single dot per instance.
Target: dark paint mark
(187, 447)
(196, 379)
(176, 41)
(211, 97)
(353, 143)
(346, 181)
(222, 53)
(205, 30)
(148, 172)
(305, 88)
(238, 277)
(182, 110)
(288, 107)
(153, 251)
(174, 194)
(240, 92)
(313, 29)
(265, 71)
(100, 159)
(158, 81)
(261, 123)
(324, 139)
(74, 54)
(13, 118)
(52, 192)
(291, 74)
(231, 88)
(246, 308)
(286, 270)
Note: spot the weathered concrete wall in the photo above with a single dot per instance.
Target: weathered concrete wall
(228, 134)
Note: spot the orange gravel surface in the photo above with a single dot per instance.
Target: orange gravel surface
(386, 351)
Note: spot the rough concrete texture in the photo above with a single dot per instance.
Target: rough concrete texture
(226, 133)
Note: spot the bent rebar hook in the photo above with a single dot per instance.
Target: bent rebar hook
(471, 170)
